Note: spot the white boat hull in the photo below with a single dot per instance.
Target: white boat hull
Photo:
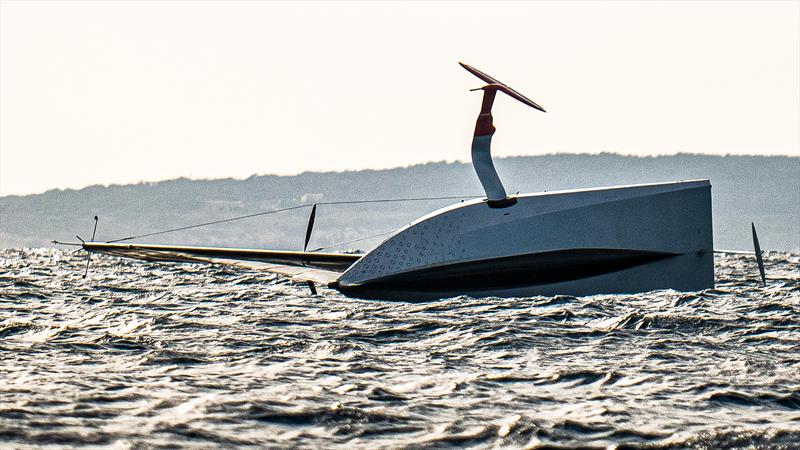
(623, 239)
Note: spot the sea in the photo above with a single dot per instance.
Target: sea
(158, 355)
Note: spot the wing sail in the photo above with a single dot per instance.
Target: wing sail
(303, 266)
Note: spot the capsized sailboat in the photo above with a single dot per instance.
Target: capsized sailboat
(621, 239)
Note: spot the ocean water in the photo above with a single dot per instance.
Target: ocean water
(146, 355)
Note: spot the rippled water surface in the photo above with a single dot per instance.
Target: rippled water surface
(150, 355)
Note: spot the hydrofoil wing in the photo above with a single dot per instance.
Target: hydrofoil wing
(302, 266)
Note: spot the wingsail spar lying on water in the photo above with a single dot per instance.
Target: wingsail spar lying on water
(622, 239)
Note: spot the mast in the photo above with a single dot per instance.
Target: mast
(482, 154)
(482, 139)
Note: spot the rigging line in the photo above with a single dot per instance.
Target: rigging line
(74, 244)
(209, 223)
(354, 240)
(345, 202)
(389, 200)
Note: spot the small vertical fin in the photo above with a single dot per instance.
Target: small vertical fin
(88, 260)
(310, 228)
(759, 258)
(88, 254)
(95, 228)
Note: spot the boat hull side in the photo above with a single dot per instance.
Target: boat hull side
(614, 240)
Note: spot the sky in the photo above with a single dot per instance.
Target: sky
(120, 92)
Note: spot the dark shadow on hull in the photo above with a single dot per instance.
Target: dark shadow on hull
(497, 274)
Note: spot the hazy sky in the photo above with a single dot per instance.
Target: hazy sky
(119, 92)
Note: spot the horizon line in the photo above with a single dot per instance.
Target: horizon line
(408, 166)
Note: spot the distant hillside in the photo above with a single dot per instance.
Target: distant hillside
(765, 190)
